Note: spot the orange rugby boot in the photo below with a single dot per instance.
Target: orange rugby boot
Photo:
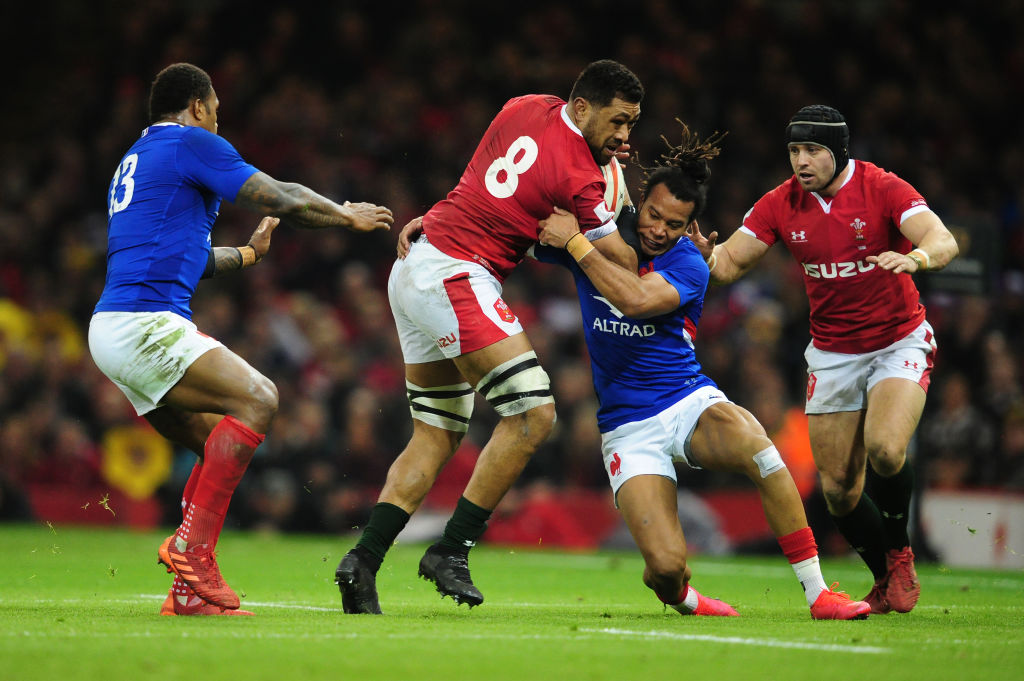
(197, 567)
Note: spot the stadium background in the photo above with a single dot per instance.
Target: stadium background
(384, 102)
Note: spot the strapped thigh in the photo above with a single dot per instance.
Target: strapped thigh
(445, 406)
(517, 385)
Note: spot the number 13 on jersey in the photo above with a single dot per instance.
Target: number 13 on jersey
(123, 178)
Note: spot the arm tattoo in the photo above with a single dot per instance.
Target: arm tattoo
(261, 193)
(226, 259)
(294, 202)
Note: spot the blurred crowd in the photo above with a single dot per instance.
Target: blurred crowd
(384, 102)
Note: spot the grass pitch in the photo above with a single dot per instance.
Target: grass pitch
(80, 604)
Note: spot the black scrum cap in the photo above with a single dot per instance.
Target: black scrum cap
(824, 126)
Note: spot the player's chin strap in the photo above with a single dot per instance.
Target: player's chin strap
(626, 222)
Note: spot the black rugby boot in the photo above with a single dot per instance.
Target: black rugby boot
(449, 570)
(357, 582)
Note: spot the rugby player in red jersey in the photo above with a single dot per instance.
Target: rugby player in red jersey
(458, 335)
(859, 232)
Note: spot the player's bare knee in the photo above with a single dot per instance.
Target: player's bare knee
(886, 459)
(840, 501)
(538, 423)
(665, 566)
(520, 391)
(260, 404)
(266, 397)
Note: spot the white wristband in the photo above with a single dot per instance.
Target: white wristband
(927, 259)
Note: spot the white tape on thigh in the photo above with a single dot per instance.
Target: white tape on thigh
(768, 461)
(517, 385)
(446, 406)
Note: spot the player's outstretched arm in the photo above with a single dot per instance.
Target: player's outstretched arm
(730, 260)
(306, 208)
(230, 258)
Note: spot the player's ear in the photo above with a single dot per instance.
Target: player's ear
(580, 107)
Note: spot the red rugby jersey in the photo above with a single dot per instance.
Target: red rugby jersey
(531, 159)
(856, 306)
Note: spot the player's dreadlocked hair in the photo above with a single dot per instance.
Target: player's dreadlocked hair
(685, 169)
(175, 88)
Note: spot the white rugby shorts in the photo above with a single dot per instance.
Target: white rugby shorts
(651, 446)
(445, 307)
(145, 353)
(841, 382)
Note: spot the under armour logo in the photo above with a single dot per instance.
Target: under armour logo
(907, 364)
(616, 466)
(892, 516)
(798, 236)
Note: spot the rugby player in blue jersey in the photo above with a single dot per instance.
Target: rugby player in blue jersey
(656, 407)
(162, 203)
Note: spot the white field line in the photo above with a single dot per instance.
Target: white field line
(600, 633)
(745, 641)
(712, 567)
(583, 635)
(254, 604)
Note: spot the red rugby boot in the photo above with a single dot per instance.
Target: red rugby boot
(876, 598)
(836, 605)
(708, 606)
(904, 589)
(197, 567)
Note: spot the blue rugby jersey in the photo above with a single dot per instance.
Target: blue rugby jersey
(642, 366)
(162, 203)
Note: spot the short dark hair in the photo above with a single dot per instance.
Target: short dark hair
(685, 168)
(603, 80)
(175, 88)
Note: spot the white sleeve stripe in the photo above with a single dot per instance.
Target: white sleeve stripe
(747, 230)
(604, 230)
(910, 212)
